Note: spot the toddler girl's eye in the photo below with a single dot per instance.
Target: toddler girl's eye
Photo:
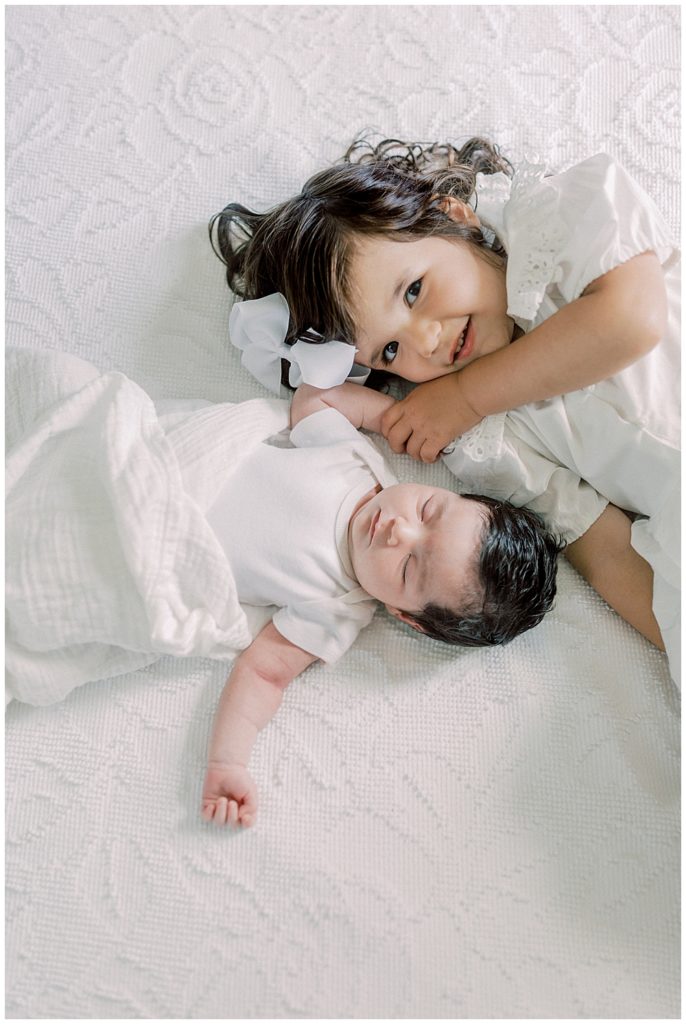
(389, 353)
(424, 509)
(412, 293)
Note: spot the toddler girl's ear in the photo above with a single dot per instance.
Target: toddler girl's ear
(405, 617)
(460, 212)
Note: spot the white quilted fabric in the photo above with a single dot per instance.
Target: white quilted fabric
(443, 834)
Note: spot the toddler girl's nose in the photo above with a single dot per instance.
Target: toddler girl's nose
(427, 338)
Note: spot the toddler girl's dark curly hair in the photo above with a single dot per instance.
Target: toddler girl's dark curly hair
(303, 247)
(514, 580)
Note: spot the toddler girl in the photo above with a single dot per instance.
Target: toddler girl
(119, 544)
(497, 294)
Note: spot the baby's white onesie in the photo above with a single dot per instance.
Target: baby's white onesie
(282, 519)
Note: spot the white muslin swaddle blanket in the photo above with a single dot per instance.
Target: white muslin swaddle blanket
(110, 561)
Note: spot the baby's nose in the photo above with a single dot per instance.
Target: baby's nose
(399, 531)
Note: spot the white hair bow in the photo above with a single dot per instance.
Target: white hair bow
(258, 328)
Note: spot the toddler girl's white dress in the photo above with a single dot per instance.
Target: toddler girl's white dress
(618, 440)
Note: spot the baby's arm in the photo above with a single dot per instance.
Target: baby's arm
(250, 699)
(604, 557)
(362, 406)
(619, 317)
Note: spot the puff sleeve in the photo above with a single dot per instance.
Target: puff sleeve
(563, 231)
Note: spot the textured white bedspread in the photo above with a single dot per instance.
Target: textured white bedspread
(442, 833)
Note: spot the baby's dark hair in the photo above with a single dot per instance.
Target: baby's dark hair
(304, 246)
(515, 580)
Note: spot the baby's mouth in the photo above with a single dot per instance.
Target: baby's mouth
(374, 524)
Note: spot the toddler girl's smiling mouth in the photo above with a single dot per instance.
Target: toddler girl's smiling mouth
(465, 343)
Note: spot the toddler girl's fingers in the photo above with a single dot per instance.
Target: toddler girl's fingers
(390, 418)
(428, 451)
(398, 436)
(233, 812)
(207, 810)
(414, 446)
(247, 820)
(221, 811)
(395, 425)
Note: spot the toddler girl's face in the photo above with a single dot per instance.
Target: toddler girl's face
(427, 308)
(412, 545)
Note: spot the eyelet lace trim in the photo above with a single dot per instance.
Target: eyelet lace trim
(534, 235)
(492, 196)
(484, 441)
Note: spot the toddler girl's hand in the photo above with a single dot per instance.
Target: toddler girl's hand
(229, 796)
(429, 418)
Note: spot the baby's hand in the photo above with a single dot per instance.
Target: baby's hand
(428, 419)
(229, 796)
(305, 401)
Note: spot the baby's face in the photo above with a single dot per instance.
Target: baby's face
(412, 545)
(427, 308)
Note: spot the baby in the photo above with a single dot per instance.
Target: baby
(135, 530)
(459, 568)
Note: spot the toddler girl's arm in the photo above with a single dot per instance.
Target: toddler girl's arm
(250, 699)
(361, 406)
(604, 556)
(619, 318)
